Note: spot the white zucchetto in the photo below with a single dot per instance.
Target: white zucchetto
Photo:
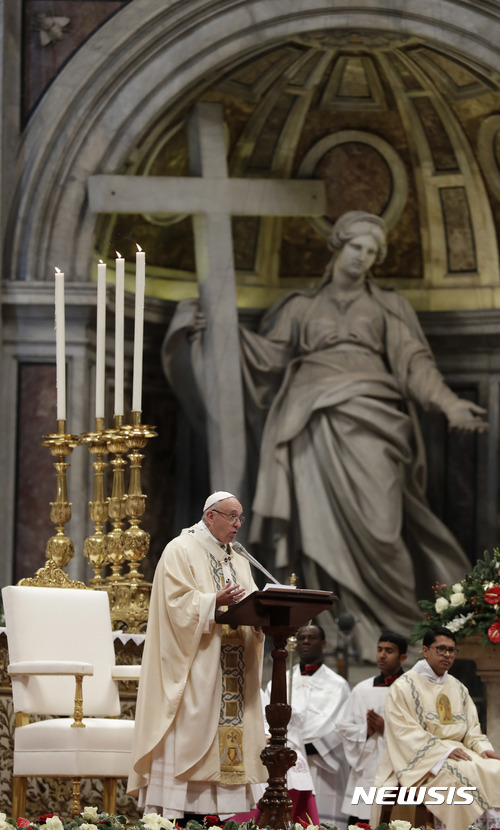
(219, 495)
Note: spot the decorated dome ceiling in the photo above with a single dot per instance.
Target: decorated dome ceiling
(403, 128)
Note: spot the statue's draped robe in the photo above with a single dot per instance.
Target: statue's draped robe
(340, 461)
(341, 476)
(362, 752)
(417, 740)
(179, 705)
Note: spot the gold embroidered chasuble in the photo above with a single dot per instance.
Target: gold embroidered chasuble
(423, 720)
(199, 678)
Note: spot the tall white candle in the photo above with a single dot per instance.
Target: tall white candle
(60, 345)
(100, 347)
(140, 279)
(119, 332)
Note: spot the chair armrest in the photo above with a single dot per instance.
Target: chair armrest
(50, 667)
(126, 672)
(58, 667)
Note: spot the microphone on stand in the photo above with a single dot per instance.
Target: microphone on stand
(238, 547)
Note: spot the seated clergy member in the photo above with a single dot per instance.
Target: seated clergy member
(317, 696)
(199, 729)
(434, 738)
(361, 721)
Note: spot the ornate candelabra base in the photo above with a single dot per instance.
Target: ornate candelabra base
(59, 548)
(94, 547)
(129, 603)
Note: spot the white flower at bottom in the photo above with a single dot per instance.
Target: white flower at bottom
(457, 588)
(90, 814)
(3, 822)
(165, 823)
(54, 823)
(151, 820)
(440, 605)
(88, 827)
(399, 824)
(457, 598)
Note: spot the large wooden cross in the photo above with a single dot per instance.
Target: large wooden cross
(212, 198)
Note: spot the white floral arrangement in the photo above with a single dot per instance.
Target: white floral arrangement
(471, 606)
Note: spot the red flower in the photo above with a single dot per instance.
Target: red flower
(364, 825)
(43, 819)
(23, 822)
(492, 595)
(494, 632)
(211, 821)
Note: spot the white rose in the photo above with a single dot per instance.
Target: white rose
(459, 622)
(440, 605)
(90, 814)
(3, 822)
(87, 826)
(457, 599)
(151, 820)
(54, 823)
(457, 588)
(399, 824)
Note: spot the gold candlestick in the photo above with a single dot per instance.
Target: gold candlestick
(136, 540)
(94, 547)
(116, 502)
(60, 548)
(129, 597)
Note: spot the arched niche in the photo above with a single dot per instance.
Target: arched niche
(149, 57)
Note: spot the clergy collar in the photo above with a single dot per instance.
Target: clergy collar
(309, 669)
(384, 680)
(423, 668)
(201, 524)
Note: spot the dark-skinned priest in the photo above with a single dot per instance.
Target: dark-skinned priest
(199, 727)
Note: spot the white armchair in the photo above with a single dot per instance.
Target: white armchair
(60, 641)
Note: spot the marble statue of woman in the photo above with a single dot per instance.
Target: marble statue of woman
(340, 489)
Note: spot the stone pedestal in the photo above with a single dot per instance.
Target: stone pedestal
(487, 660)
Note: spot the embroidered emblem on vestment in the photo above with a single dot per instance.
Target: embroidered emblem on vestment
(232, 656)
(443, 708)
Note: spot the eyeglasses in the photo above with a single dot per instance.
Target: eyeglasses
(445, 650)
(231, 517)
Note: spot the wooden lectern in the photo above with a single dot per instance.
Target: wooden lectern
(279, 612)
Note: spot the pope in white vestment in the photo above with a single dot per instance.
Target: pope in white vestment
(434, 739)
(199, 728)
